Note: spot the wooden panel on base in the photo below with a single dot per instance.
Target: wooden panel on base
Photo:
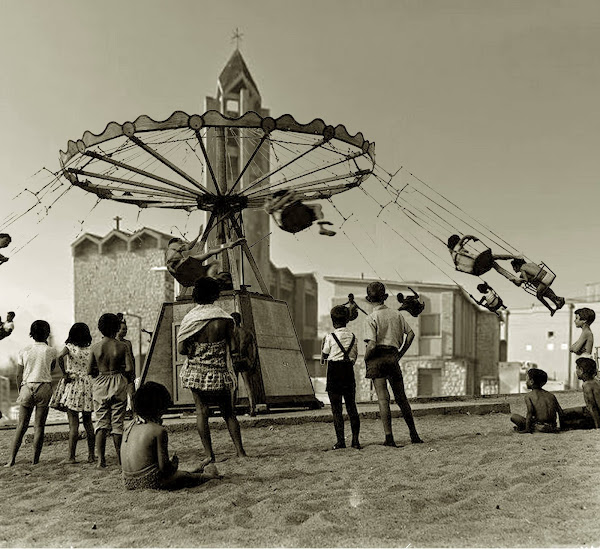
(281, 378)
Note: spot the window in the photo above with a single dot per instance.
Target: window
(550, 346)
(528, 347)
(233, 106)
(550, 335)
(563, 346)
(430, 325)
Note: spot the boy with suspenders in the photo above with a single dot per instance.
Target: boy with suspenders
(340, 350)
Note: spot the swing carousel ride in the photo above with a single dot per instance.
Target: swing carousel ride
(228, 166)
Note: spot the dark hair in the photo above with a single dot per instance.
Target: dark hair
(340, 315)
(483, 287)
(376, 292)
(6, 235)
(588, 366)
(206, 290)
(237, 318)
(517, 263)
(453, 240)
(79, 335)
(151, 400)
(109, 324)
(40, 330)
(174, 239)
(11, 313)
(539, 377)
(586, 314)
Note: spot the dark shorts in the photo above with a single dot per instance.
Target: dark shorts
(214, 398)
(340, 377)
(483, 263)
(384, 362)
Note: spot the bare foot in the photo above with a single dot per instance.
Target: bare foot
(203, 465)
(35, 462)
(339, 445)
(242, 454)
(10, 464)
(91, 459)
(211, 471)
(68, 461)
(101, 464)
(416, 440)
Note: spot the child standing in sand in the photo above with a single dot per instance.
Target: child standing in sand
(388, 337)
(587, 417)
(145, 450)
(542, 406)
(34, 377)
(111, 369)
(73, 393)
(340, 350)
(584, 346)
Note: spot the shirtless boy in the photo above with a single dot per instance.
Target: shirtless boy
(145, 450)
(584, 346)
(542, 406)
(111, 369)
(587, 417)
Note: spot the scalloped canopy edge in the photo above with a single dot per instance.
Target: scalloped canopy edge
(212, 118)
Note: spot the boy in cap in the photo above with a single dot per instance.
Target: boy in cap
(388, 337)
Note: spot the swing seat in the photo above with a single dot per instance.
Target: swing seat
(544, 276)
(483, 263)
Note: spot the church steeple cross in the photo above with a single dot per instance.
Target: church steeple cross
(237, 37)
(117, 221)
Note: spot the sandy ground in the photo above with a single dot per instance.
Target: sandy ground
(473, 483)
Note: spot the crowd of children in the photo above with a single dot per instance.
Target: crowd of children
(98, 378)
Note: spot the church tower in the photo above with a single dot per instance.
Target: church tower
(237, 94)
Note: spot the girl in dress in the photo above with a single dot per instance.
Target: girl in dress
(74, 391)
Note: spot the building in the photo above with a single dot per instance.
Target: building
(457, 344)
(114, 274)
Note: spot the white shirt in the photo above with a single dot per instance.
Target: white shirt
(36, 360)
(386, 326)
(331, 348)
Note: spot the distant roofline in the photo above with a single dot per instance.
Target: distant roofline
(411, 283)
(123, 234)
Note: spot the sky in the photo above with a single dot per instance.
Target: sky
(492, 104)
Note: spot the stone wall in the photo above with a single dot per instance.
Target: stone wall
(121, 281)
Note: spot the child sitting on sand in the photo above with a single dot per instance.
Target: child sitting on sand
(340, 350)
(584, 346)
(34, 379)
(542, 406)
(588, 416)
(111, 369)
(145, 450)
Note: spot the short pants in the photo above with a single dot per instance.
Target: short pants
(110, 400)
(384, 362)
(35, 394)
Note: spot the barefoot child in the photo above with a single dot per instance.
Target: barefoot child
(587, 417)
(540, 279)
(340, 350)
(584, 346)
(542, 406)
(73, 393)
(388, 337)
(34, 377)
(111, 369)
(130, 386)
(207, 339)
(490, 299)
(145, 450)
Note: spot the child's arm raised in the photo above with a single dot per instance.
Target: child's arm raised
(591, 394)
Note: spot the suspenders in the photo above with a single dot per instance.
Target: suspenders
(346, 352)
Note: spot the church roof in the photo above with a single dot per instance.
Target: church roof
(234, 69)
